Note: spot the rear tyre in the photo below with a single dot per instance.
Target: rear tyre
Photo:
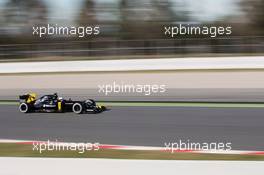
(77, 108)
(24, 108)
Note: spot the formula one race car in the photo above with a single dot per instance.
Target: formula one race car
(53, 103)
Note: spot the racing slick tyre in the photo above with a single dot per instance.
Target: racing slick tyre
(24, 108)
(77, 108)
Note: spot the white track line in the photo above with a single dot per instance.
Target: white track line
(146, 148)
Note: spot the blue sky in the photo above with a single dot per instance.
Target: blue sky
(204, 10)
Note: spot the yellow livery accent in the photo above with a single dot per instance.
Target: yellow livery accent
(31, 97)
(59, 105)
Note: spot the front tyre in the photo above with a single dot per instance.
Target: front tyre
(24, 108)
(77, 108)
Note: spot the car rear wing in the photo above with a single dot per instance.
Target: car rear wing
(23, 97)
(28, 97)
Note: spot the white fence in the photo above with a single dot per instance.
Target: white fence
(254, 62)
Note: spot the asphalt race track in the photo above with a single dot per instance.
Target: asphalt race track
(149, 126)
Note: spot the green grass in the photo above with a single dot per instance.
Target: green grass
(25, 150)
(8, 103)
(171, 104)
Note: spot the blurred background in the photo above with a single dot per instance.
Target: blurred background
(129, 29)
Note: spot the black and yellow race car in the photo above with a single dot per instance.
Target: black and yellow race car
(53, 103)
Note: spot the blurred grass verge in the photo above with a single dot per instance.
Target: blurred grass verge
(26, 150)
